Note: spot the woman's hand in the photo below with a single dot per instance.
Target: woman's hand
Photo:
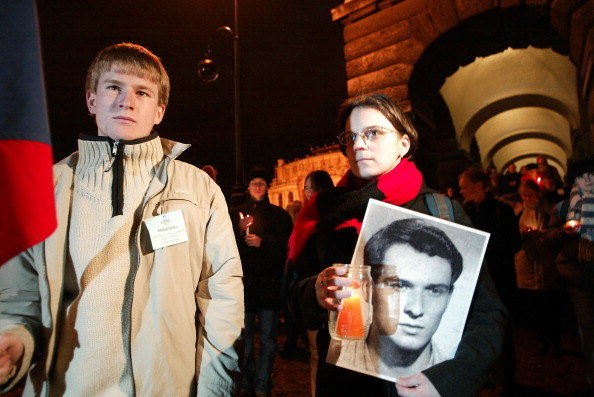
(328, 287)
(416, 386)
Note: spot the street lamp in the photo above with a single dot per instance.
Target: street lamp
(208, 72)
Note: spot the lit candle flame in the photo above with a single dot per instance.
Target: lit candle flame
(572, 223)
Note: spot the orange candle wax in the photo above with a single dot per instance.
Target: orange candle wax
(349, 324)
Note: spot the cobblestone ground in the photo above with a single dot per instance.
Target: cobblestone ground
(537, 376)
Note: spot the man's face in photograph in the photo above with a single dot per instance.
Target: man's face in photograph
(411, 296)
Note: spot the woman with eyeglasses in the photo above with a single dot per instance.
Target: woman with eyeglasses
(379, 141)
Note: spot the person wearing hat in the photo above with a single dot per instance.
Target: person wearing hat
(262, 233)
(571, 229)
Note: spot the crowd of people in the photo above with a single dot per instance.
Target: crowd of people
(152, 286)
(543, 263)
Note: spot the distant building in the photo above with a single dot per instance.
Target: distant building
(289, 178)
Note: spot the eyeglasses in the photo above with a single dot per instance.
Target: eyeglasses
(258, 184)
(368, 134)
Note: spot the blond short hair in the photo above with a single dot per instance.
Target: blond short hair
(130, 58)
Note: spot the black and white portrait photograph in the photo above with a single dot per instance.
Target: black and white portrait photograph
(424, 271)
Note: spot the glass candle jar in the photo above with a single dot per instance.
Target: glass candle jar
(353, 321)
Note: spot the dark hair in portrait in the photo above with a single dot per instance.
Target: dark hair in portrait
(417, 234)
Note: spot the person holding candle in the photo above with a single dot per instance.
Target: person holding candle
(539, 287)
(262, 232)
(571, 228)
(379, 140)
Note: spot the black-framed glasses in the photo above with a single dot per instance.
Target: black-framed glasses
(368, 134)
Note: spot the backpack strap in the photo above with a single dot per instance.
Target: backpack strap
(439, 206)
(563, 209)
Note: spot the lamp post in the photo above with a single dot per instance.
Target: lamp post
(208, 72)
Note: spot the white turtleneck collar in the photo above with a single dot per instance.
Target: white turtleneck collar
(109, 169)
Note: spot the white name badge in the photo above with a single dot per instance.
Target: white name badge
(167, 229)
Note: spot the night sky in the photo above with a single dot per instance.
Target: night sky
(292, 66)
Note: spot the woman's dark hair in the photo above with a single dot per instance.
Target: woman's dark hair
(388, 108)
(420, 236)
(320, 180)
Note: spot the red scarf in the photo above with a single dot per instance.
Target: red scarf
(397, 187)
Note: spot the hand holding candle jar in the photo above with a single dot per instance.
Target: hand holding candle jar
(353, 320)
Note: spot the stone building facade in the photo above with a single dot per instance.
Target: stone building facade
(289, 177)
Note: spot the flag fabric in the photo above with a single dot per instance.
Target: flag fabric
(28, 215)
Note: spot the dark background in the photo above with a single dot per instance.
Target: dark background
(291, 62)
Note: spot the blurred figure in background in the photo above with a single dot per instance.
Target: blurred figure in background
(317, 181)
(262, 233)
(492, 216)
(513, 200)
(451, 191)
(497, 218)
(571, 229)
(549, 189)
(494, 180)
(544, 167)
(293, 209)
(538, 281)
(531, 173)
(510, 180)
(293, 330)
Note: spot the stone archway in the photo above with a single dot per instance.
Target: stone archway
(492, 84)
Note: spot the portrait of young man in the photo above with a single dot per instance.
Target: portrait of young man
(417, 263)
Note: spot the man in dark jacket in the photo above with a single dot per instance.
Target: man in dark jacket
(492, 216)
(510, 181)
(262, 232)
